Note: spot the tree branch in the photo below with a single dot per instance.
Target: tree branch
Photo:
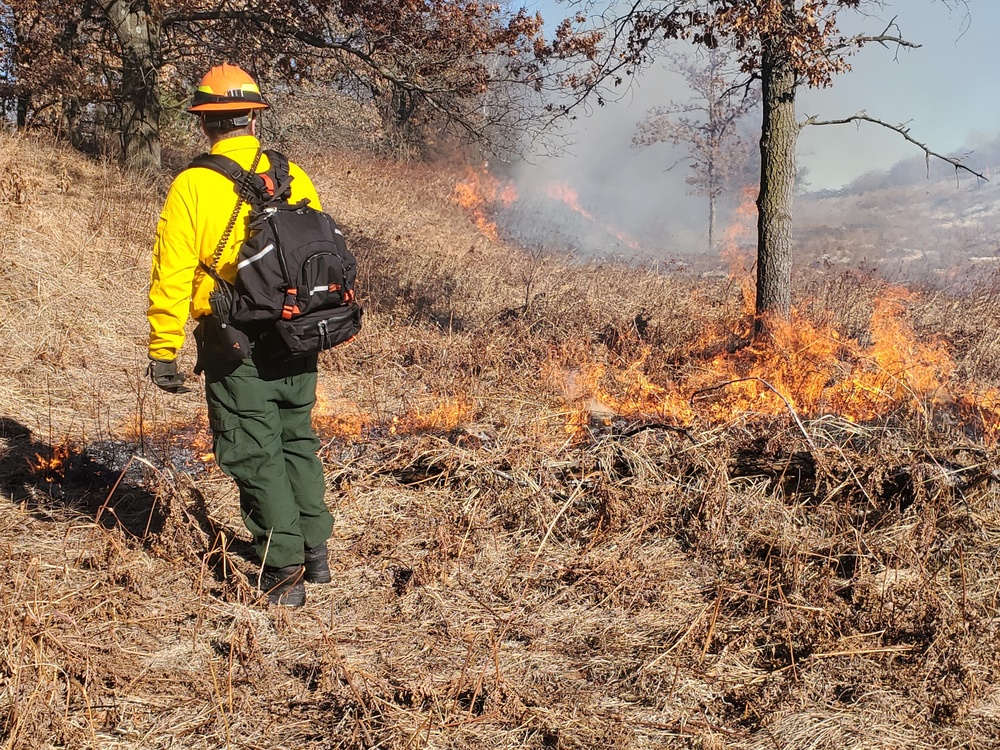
(281, 26)
(317, 41)
(905, 132)
(887, 37)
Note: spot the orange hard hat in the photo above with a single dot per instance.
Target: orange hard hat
(227, 88)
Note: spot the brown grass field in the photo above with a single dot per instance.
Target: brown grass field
(575, 507)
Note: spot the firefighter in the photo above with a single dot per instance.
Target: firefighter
(260, 411)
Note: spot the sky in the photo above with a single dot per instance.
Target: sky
(947, 92)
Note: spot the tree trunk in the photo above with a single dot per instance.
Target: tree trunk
(711, 223)
(139, 37)
(23, 108)
(779, 133)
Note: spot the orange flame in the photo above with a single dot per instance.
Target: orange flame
(738, 243)
(561, 191)
(52, 468)
(809, 369)
(191, 435)
(444, 414)
(477, 191)
(340, 417)
(335, 416)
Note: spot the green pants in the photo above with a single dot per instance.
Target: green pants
(261, 420)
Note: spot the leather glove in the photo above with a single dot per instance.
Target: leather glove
(164, 375)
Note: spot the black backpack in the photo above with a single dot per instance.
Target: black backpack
(295, 274)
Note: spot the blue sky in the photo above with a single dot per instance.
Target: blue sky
(948, 91)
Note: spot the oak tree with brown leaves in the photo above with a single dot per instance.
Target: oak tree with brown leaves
(427, 64)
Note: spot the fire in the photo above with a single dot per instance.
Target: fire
(53, 468)
(348, 423)
(738, 242)
(982, 408)
(599, 393)
(194, 436)
(809, 369)
(188, 441)
(344, 419)
(444, 414)
(340, 417)
(480, 192)
(815, 370)
(561, 191)
(477, 192)
(335, 415)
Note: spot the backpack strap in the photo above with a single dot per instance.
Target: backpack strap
(274, 185)
(250, 186)
(281, 190)
(243, 186)
(221, 164)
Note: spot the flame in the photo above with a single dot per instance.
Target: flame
(480, 191)
(191, 439)
(815, 370)
(52, 468)
(804, 367)
(508, 194)
(598, 393)
(443, 414)
(738, 244)
(194, 436)
(560, 190)
(477, 191)
(336, 416)
(982, 408)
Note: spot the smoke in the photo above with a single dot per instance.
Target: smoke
(599, 195)
(640, 194)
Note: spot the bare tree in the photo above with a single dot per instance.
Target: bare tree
(785, 44)
(707, 125)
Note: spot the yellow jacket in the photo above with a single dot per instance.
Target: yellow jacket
(194, 217)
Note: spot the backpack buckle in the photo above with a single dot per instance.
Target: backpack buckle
(290, 308)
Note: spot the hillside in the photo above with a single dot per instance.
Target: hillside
(575, 506)
(923, 230)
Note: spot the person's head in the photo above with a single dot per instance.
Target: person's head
(227, 101)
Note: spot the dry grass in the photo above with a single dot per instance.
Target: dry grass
(516, 565)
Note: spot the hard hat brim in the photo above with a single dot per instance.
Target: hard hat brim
(234, 106)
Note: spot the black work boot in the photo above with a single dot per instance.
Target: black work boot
(317, 567)
(283, 585)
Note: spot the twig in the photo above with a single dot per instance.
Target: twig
(776, 392)
(263, 559)
(680, 640)
(711, 627)
(636, 429)
(783, 602)
(114, 488)
(903, 131)
(218, 703)
(903, 648)
(552, 524)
